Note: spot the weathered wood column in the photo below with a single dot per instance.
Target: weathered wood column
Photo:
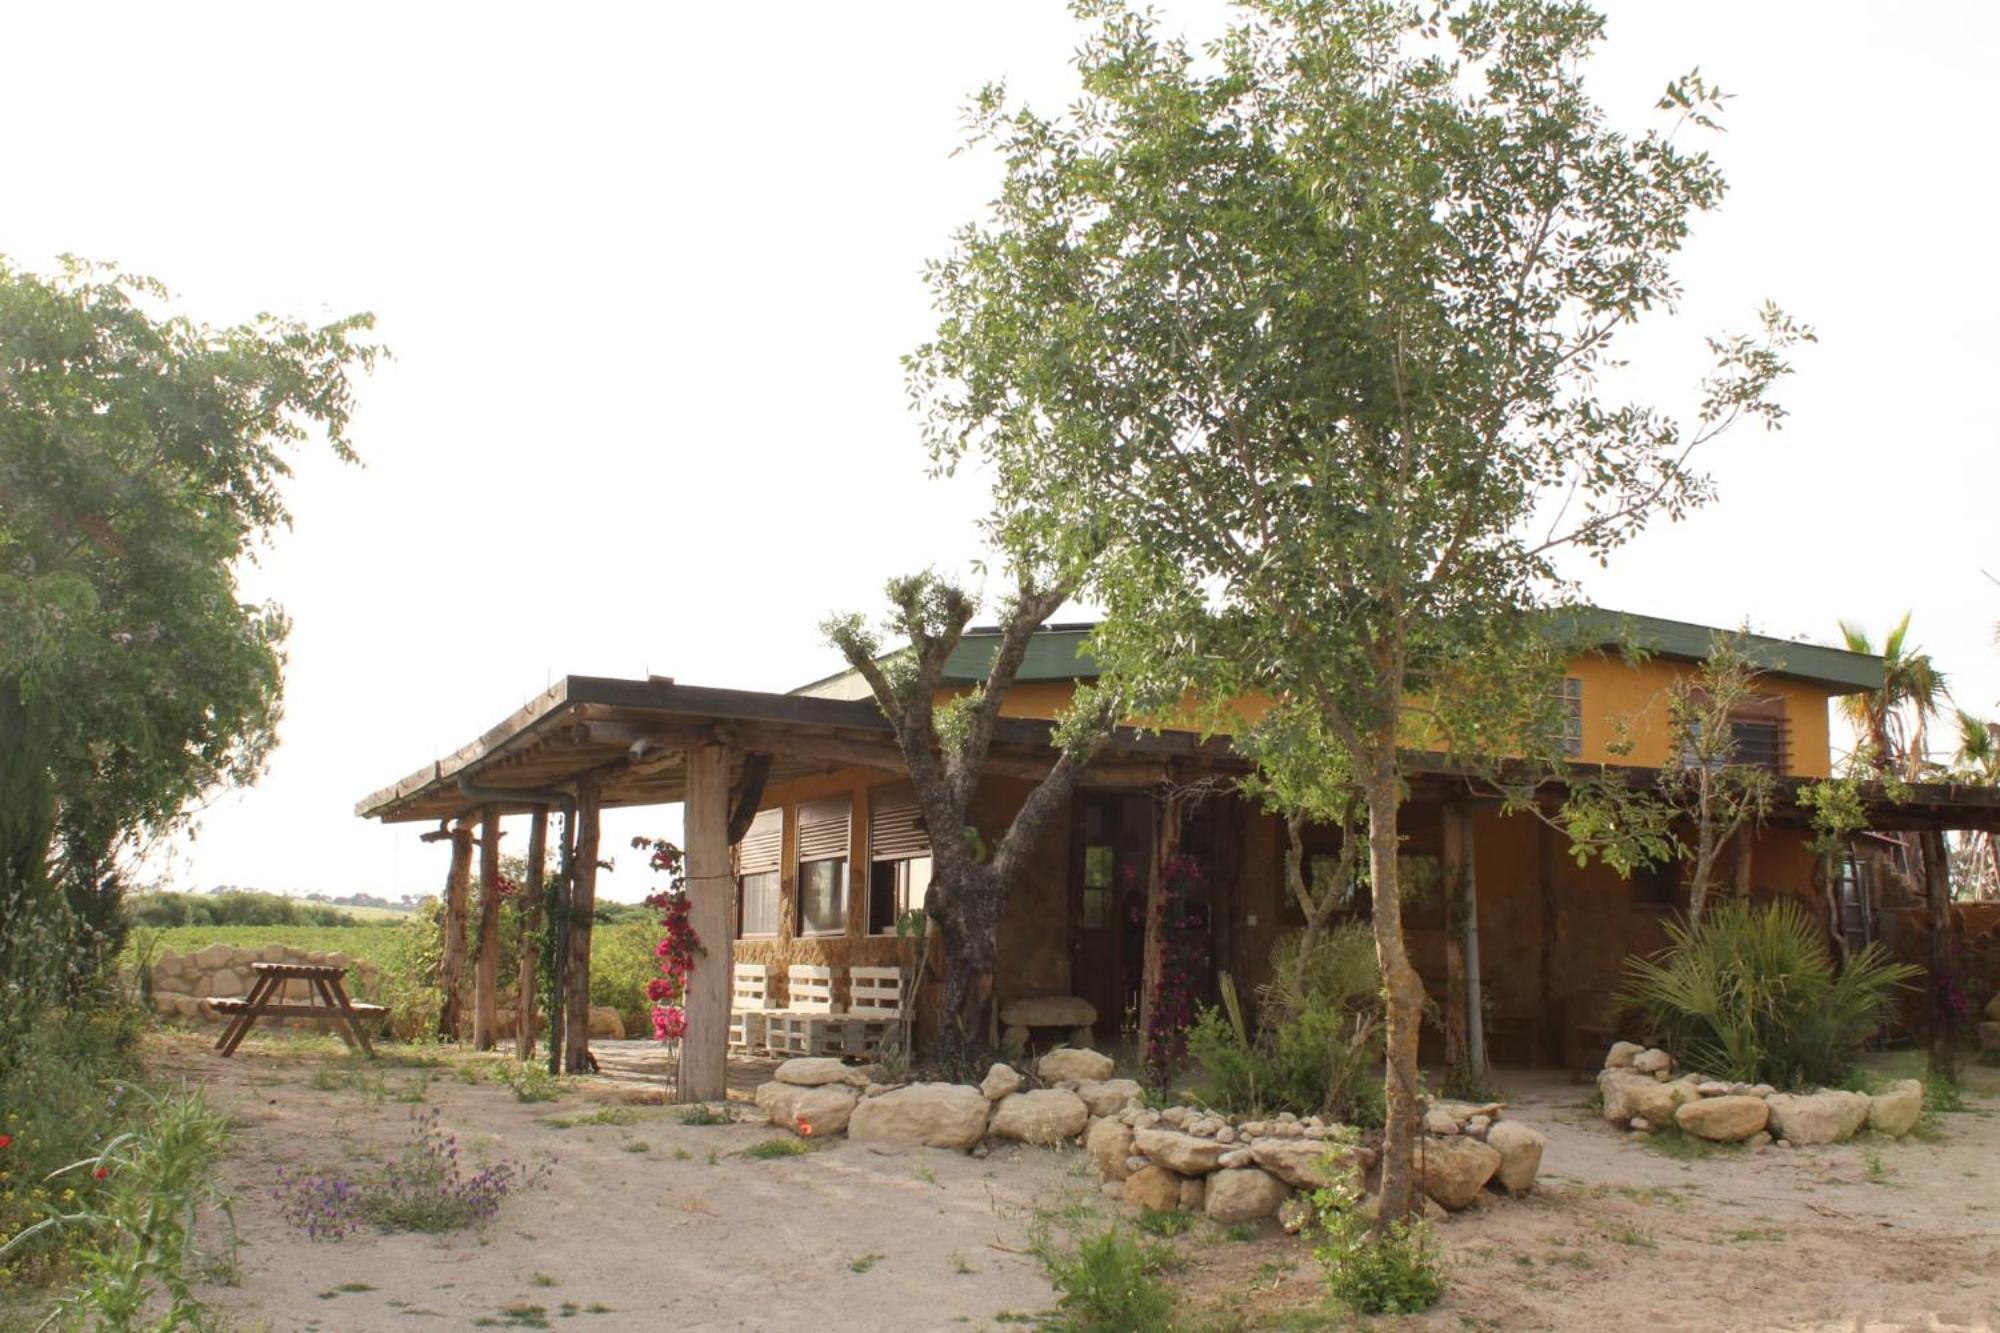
(1153, 958)
(711, 891)
(531, 917)
(583, 904)
(1464, 1027)
(486, 964)
(451, 965)
(1943, 1032)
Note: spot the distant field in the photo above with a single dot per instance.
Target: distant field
(373, 943)
(387, 914)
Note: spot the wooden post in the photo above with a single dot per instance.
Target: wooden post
(1937, 898)
(451, 968)
(583, 903)
(1166, 846)
(1551, 923)
(531, 916)
(711, 890)
(1457, 1040)
(486, 965)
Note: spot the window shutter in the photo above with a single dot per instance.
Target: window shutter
(895, 824)
(823, 828)
(762, 846)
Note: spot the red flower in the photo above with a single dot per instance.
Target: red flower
(804, 1128)
(6, 1141)
(101, 1172)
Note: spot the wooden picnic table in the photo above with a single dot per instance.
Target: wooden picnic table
(265, 1001)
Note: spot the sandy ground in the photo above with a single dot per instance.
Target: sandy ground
(684, 1234)
(690, 1234)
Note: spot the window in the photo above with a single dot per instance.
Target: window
(1100, 867)
(758, 859)
(899, 856)
(1572, 717)
(1759, 742)
(823, 829)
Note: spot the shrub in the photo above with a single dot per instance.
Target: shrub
(621, 963)
(1751, 994)
(427, 1189)
(1394, 1271)
(1111, 1284)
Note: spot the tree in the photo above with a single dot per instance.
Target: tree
(1705, 780)
(1977, 762)
(945, 747)
(141, 457)
(1893, 722)
(1309, 335)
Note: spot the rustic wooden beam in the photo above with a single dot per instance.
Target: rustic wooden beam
(531, 917)
(711, 889)
(583, 905)
(1152, 959)
(451, 967)
(749, 791)
(486, 963)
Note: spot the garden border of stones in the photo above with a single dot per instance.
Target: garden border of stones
(1642, 1095)
(1232, 1169)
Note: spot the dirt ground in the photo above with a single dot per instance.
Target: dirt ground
(686, 1232)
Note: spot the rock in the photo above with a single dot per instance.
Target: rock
(1014, 1040)
(1307, 1165)
(935, 1115)
(1000, 1081)
(1724, 1119)
(1109, 1096)
(1252, 1129)
(1154, 1187)
(826, 1108)
(1821, 1117)
(1109, 1144)
(225, 982)
(1715, 1089)
(1082, 1037)
(1194, 1193)
(1627, 1094)
(1177, 1116)
(813, 1071)
(1622, 1054)
(1045, 1116)
(1784, 1143)
(1653, 1061)
(1227, 1134)
(1464, 1111)
(1761, 1139)
(1049, 1011)
(1478, 1125)
(1456, 1169)
(213, 957)
(1244, 1194)
(1136, 1163)
(1762, 1090)
(1237, 1157)
(1439, 1121)
(1896, 1111)
(1640, 1125)
(1520, 1150)
(1113, 1189)
(1295, 1215)
(1184, 1153)
(1085, 1066)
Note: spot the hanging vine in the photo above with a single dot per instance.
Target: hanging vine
(679, 945)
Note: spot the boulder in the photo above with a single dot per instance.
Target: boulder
(1046, 1115)
(1109, 1096)
(171, 983)
(1194, 1193)
(1654, 1061)
(1085, 1066)
(606, 1024)
(1456, 1169)
(1724, 1119)
(1622, 1054)
(1244, 1194)
(933, 1115)
(226, 982)
(814, 1071)
(1000, 1081)
(826, 1108)
(1440, 1122)
(214, 956)
(1014, 1040)
(1295, 1215)
(1897, 1111)
(1109, 1144)
(1082, 1036)
(1154, 1187)
(1520, 1150)
(1821, 1117)
(1628, 1095)
(1308, 1165)
(1185, 1153)
(1049, 1011)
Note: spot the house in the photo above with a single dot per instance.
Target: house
(825, 850)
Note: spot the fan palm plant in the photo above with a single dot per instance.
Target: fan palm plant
(1894, 720)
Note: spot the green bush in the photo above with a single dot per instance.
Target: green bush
(240, 908)
(1752, 994)
(1395, 1271)
(621, 963)
(1111, 1284)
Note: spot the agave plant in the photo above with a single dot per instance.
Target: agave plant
(1751, 993)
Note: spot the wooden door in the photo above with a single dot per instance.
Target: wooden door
(1110, 857)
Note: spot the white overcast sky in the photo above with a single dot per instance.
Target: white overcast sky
(647, 272)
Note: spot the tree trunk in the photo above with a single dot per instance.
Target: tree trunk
(1944, 985)
(970, 926)
(486, 965)
(1166, 846)
(531, 916)
(1403, 992)
(1457, 1006)
(451, 966)
(583, 905)
(711, 890)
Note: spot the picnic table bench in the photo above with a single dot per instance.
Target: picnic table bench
(265, 1000)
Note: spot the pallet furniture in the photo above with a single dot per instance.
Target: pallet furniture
(875, 1008)
(810, 1023)
(802, 1026)
(750, 1002)
(265, 1001)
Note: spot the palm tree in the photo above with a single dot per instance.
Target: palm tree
(1978, 762)
(1894, 720)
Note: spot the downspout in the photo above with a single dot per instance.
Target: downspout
(567, 801)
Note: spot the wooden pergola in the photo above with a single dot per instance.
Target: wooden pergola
(588, 743)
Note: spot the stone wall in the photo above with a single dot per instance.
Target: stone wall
(183, 983)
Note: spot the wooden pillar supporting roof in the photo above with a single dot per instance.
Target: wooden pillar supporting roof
(711, 890)
(486, 963)
(583, 904)
(531, 912)
(451, 968)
